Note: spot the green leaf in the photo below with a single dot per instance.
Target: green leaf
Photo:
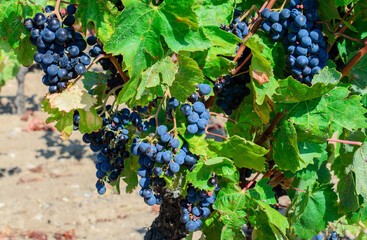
(292, 91)
(245, 153)
(161, 73)
(186, 79)
(340, 3)
(247, 123)
(25, 51)
(263, 192)
(89, 121)
(214, 12)
(285, 149)
(328, 11)
(131, 166)
(92, 79)
(99, 13)
(321, 117)
(196, 142)
(347, 193)
(310, 212)
(141, 28)
(230, 203)
(358, 76)
(65, 125)
(263, 90)
(258, 61)
(308, 151)
(359, 167)
(202, 172)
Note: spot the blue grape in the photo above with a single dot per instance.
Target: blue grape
(186, 109)
(275, 36)
(162, 129)
(316, 36)
(28, 23)
(314, 48)
(202, 123)
(142, 172)
(180, 158)
(175, 143)
(185, 218)
(91, 40)
(274, 17)
(73, 51)
(192, 128)
(266, 26)
(150, 201)
(294, 3)
(302, 33)
(106, 167)
(167, 156)
(173, 103)
(300, 50)
(308, 4)
(40, 43)
(313, 61)
(165, 137)
(80, 69)
(52, 70)
(300, 21)
(296, 72)
(206, 212)
(306, 41)
(147, 193)
(62, 34)
(322, 54)
(306, 71)
(39, 19)
(190, 226)
(291, 60)
(242, 26)
(174, 167)
(277, 28)
(265, 13)
(292, 37)
(196, 211)
(199, 107)
(205, 115)
(291, 49)
(315, 70)
(302, 61)
(158, 157)
(144, 182)
(204, 89)
(190, 159)
(295, 12)
(157, 171)
(285, 14)
(100, 174)
(71, 9)
(69, 20)
(54, 24)
(193, 118)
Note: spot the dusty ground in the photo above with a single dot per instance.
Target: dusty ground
(54, 196)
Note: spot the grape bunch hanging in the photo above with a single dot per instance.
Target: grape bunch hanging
(302, 36)
(59, 47)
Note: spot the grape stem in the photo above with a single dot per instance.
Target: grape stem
(270, 129)
(90, 65)
(159, 109)
(118, 67)
(345, 141)
(355, 59)
(173, 118)
(344, 17)
(112, 91)
(254, 29)
(217, 135)
(57, 10)
(220, 115)
(242, 64)
(251, 182)
(282, 206)
(339, 34)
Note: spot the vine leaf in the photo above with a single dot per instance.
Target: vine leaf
(89, 121)
(141, 28)
(358, 76)
(285, 150)
(129, 174)
(310, 212)
(245, 153)
(214, 12)
(186, 79)
(98, 12)
(320, 117)
(359, 167)
(349, 201)
(203, 170)
(70, 99)
(263, 192)
(292, 91)
(340, 3)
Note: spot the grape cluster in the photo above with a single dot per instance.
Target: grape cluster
(303, 38)
(157, 158)
(231, 91)
(196, 205)
(110, 143)
(59, 47)
(196, 114)
(115, 78)
(76, 119)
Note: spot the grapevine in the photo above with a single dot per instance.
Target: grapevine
(280, 84)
